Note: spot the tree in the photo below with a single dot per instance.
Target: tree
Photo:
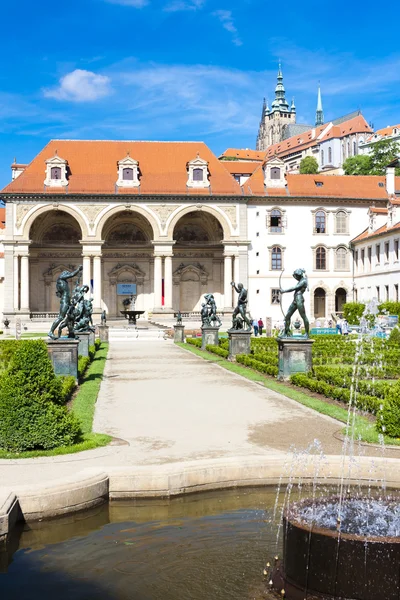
(382, 153)
(308, 166)
(357, 165)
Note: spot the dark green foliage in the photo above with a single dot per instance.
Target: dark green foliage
(7, 349)
(257, 365)
(308, 165)
(31, 415)
(358, 165)
(217, 350)
(353, 311)
(381, 154)
(194, 342)
(92, 352)
(68, 386)
(395, 336)
(390, 308)
(97, 344)
(83, 363)
(388, 420)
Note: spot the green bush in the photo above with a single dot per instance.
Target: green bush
(257, 365)
(217, 350)
(388, 421)
(31, 415)
(390, 308)
(97, 344)
(394, 337)
(92, 352)
(68, 386)
(353, 311)
(83, 363)
(194, 342)
(7, 349)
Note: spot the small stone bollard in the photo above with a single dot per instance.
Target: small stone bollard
(295, 356)
(210, 337)
(179, 333)
(103, 332)
(239, 342)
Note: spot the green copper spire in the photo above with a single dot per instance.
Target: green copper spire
(319, 115)
(293, 106)
(280, 102)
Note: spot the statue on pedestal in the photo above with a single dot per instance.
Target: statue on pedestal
(104, 318)
(298, 303)
(63, 292)
(179, 318)
(239, 317)
(213, 318)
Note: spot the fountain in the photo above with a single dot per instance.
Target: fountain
(130, 311)
(345, 546)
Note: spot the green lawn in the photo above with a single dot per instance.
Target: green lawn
(83, 406)
(364, 428)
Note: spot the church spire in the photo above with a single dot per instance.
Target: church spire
(264, 108)
(319, 115)
(280, 102)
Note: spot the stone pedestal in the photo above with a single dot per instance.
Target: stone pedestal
(295, 356)
(92, 338)
(209, 337)
(64, 356)
(103, 332)
(83, 338)
(179, 333)
(239, 342)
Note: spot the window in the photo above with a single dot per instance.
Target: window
(276, 258)
(386, 293)
(341, 222)
(275, 173)
(257, 234)
(322, 158)
(257, 254)
(197, 174)
(55, 172)
(275, 221)
(320, 222)
(369, 250)
(330, 155)
(320, 258)
(127, 174)
(396, 249)
(348, 149)
(354, 148)
(356, 259)
(257, 214)
(378, 253)
(257, 272)
(275, 296)
(378, 293)
(341, 259)
(387, 251)
(319, 183)
(396, 292)
(363, 257)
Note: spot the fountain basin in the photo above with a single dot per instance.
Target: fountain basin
(131, 315)
(321, 563)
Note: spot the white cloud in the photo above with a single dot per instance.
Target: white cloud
(134, 3)
(226, 19)
(80, 86)
(178, 5)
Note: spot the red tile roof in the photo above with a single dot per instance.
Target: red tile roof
(244, 154)
(93, 168)
(384, 230)
(378, 211)
(321, 186)
(2, 218)
(385, 131)
(240, 166)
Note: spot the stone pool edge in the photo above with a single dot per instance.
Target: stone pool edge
(93, 486)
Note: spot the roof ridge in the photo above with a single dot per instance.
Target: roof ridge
(130, 141)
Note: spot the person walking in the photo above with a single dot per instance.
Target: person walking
(255, 326)
(260, 326)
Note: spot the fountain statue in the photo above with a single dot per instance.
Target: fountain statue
(298, 302)
(130, 311)
(239, 316)
(209, 317)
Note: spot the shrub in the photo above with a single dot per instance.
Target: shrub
(68, 386)
(97, 344)
(390, 308)
(30, 397)
(7, 349)
(194, 342)
(353, 311)
(257, 365)
(83, 363)
(394, 337)
(217, 350)
(388, 420)
(92, 352)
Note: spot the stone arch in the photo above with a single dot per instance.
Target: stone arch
(110, 212)
(32, 215)
(192, 281)
(340, 295)
(313, 307)
(185, 210)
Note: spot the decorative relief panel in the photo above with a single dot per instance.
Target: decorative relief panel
(183, 270)
(164, 211)
(230, 211)
(92, 212)
(22, 210)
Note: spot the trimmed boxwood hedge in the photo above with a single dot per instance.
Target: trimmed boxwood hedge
(257, 365)
(32, 415)
(388, 420)
(194, 342)
(217, 350)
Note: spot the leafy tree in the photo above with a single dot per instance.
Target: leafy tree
(382, 153)
(308, 165)
(358, 165)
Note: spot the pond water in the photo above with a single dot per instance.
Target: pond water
(198, 547)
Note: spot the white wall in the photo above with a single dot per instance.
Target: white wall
(378, 274)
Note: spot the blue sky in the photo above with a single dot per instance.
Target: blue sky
(186, 69)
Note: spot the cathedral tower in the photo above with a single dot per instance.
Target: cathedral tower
(319, 114)
(274, 121)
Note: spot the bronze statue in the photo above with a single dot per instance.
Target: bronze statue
(241, 308)
(63, 292)
(213, 318)
(179, 318)
(298, 302)
(104, 318)
(205, 315)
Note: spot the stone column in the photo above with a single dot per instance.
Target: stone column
(236, 270)
(157, 282)
(16, 283)
(97, 283)
(168, 282)
(228, 281)
(25, 284)
(86, 274)
(9, 278)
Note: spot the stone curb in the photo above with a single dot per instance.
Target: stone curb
(92, 486)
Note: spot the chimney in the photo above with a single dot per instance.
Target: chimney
(390, 180)
(17, 169)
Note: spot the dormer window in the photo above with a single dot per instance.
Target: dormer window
(275, 173)
(198, 173)
(128, 172)
(56, 172)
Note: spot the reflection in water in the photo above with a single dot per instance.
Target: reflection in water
(208, 546)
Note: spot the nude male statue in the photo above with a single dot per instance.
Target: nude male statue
(63, 292)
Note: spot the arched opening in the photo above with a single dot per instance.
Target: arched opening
(340, 299)
(127, 261)
(198, 261)
(319, 303)
(55, 247)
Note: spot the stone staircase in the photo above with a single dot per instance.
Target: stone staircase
(139, 333)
